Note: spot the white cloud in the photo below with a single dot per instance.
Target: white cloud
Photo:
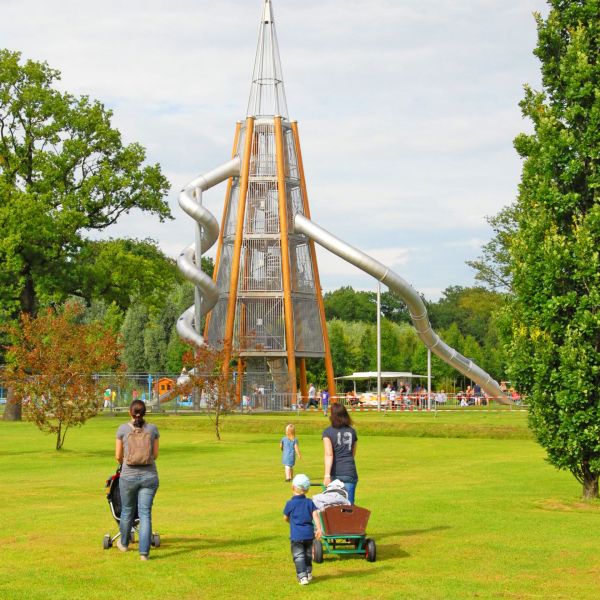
(407, 109)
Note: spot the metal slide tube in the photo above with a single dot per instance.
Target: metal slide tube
(413, 301)
(207, 233)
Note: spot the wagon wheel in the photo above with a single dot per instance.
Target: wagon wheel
(317, 549)
(106, 541)
(132, 537)
(155, 540)
(370, 550)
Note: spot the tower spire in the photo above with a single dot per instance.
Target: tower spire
(267, 94)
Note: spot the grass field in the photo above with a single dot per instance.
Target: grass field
(463, 506)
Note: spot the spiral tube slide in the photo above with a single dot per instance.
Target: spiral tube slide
(415, 305)
(207, 233)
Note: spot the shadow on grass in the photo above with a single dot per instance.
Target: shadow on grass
(172, 546)
(411, 532)
(390, 552)
(322, 577)
(385, 552)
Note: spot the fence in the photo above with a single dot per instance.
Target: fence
(119, 392)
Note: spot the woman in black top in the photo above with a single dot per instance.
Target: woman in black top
(339, 442)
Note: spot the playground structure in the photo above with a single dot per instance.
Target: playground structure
(264, 303)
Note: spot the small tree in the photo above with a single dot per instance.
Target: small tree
(51, 368)
(208, 377)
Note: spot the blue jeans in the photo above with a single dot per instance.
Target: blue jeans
(302, 555)
(351, 489)
(139, 489)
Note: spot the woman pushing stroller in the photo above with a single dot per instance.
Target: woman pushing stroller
(136, 450)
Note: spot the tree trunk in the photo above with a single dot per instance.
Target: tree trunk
(13, 408)
(58, 440)
(590, 485)
(217, 415)
(28, 295)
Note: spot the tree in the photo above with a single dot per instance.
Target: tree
(554, 252)
(349, 305)
(493, 267)
(133, 330)
(208, 378)
(393, 308)
(52, 365)
(470, 308)
(122, 271)
(64, 172)
(340, 347)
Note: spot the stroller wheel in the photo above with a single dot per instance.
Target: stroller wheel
(155, 540)
(132, 536)
(107, 541)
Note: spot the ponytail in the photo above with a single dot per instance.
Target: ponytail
(137, 410)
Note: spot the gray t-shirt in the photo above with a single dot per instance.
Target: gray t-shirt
(122, 434)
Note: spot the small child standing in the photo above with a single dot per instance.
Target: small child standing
(289, 448)
(325, 401)
(300, 512)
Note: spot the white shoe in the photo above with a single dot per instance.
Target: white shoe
(121, 547)
(304, 581)
(144, 557)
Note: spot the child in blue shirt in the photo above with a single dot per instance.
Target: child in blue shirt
(300, 512)
(289, 449)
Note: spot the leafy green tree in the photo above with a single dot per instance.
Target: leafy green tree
(134, 349)
(349, 305)
(340, 348)
(393, 308)
(408, 341)
(554, 252)
(64, 172)
(493, 267)
(470, 308)
(368, 351)
(125, 270)
(390, 344)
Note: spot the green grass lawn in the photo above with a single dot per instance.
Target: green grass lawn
(463, 506)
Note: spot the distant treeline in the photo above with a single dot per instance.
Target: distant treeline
(466, 318)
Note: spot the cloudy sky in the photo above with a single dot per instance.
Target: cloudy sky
(407, 109)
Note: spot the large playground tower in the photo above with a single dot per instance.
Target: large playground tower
(267, 306)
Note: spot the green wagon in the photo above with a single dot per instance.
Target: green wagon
(344, 532)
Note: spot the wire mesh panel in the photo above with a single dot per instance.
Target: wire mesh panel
(291, 160)
(302, 269)
(216, 327)
(294, 203)
(231, 216)
(260, 267)
(278, 368)
(267, 94)
(262, 208)
(224, 274)
(263, 161)
(309, 336)
(259, 325)
(241, 139)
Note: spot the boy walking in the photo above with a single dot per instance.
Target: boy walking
(300, 512)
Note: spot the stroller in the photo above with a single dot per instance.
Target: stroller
(114, 501)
